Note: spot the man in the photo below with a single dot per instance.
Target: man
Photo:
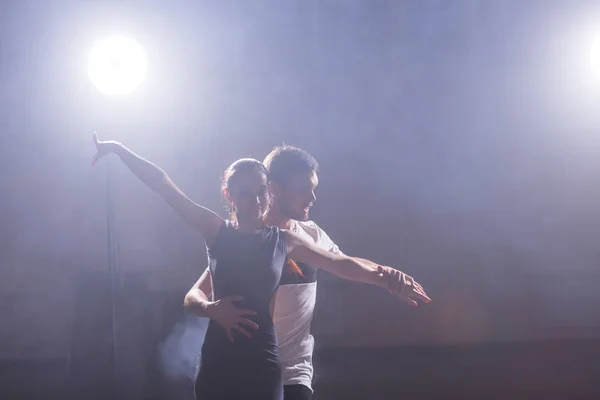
(293, 178)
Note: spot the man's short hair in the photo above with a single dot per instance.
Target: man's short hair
(284, 162)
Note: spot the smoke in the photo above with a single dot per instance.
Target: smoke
(180, 351)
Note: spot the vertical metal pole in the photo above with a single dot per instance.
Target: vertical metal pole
(111, 241)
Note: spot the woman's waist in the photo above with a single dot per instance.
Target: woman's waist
(261, 315)
(258, 302)
(262, 341)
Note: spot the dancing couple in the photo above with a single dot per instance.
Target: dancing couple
(259, 289)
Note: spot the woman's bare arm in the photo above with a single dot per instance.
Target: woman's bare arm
(203, 220)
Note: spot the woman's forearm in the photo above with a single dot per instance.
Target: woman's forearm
(205, 221)
(154, 177)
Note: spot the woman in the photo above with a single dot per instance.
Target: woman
(246, 261)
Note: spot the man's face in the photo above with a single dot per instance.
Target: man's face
(296, 197)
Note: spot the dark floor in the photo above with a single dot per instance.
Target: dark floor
(541, 370)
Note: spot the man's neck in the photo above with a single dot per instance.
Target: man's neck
(274, 218)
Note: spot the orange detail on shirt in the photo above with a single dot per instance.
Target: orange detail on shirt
(294, 267)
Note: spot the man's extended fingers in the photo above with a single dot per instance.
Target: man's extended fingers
(398, 284)
(246, 312)
(421, 296)
(403, 285)
(421, 290)
(418, 293)
(249, 323)
(229, 335)
(241, 330)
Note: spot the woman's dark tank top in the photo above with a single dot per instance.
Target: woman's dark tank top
(248, 265)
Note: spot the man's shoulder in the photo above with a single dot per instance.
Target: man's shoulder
(320, 237)
(309, 227)
(312, 229)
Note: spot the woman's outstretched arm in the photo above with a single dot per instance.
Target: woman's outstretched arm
(203, 220)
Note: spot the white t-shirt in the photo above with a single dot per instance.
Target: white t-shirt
(294, 309)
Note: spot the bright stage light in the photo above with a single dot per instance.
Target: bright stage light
(117, 65)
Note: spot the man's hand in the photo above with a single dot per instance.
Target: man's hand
(230, 317)
(403, 286)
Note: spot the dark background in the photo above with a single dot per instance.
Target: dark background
(458, 140)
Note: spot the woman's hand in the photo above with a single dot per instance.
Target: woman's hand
(103, 148)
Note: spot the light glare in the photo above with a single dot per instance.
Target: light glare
(117, 65)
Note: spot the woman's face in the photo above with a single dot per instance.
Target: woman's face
(249, 195)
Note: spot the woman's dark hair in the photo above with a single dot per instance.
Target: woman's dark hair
(231, 176)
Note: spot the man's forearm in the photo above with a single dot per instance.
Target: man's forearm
(197, 303)
(367, 263)
(358, 270)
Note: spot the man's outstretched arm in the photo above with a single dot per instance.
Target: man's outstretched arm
(400, 284)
